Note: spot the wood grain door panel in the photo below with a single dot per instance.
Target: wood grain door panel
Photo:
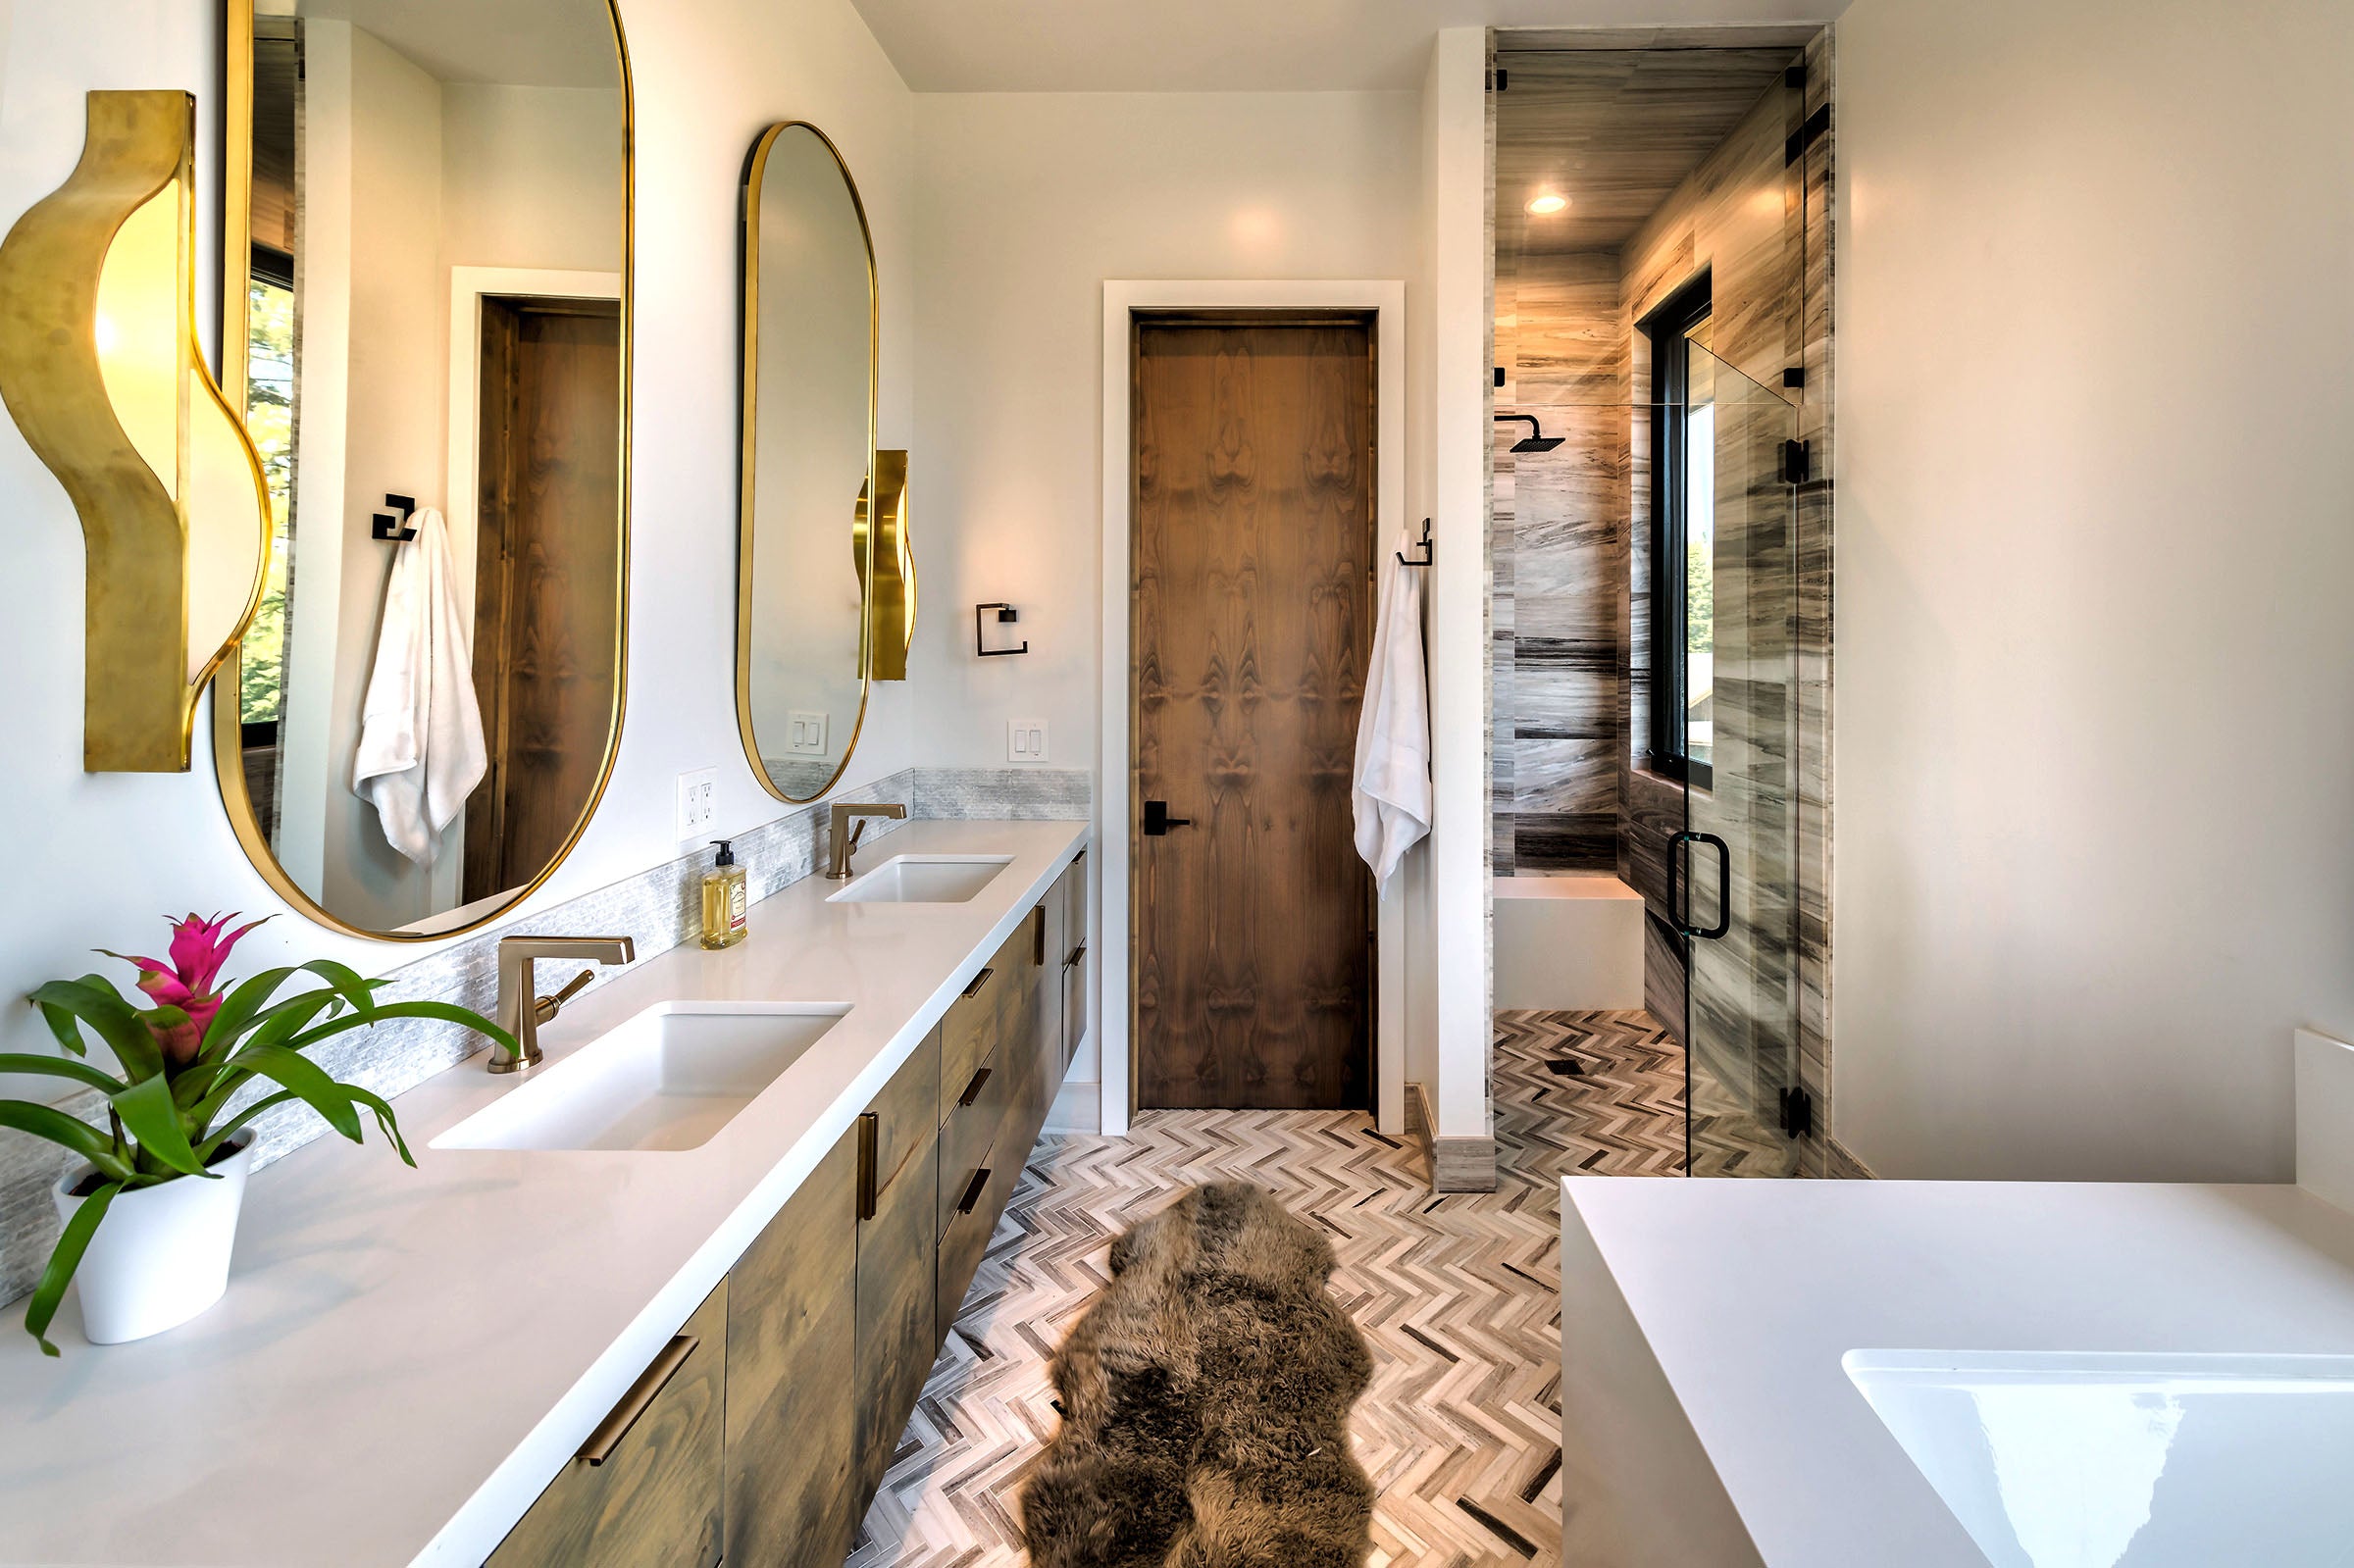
(547, 574)
(1253, 474)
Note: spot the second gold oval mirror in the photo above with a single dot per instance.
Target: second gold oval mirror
(808, 451)
(428, 236)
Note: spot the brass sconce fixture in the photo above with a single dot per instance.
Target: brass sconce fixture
(892, 622)
(100, 364)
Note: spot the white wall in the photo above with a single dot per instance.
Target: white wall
(1462, 317)
(2095, 706)
(1027, 203)
(90, 860)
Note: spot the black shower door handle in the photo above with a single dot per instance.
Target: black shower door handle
(1679, 912)
(1157, 820)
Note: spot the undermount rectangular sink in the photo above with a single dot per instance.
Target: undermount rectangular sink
(924, 880)
(2115, 1460)
(667, 1078)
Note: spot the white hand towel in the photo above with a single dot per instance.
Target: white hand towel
(421, 749)
(1391, 794)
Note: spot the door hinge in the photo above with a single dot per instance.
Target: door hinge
(1499, 376)
(1798, 462)
(1798, 1112)
(1501, 75)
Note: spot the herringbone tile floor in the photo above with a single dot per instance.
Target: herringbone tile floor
(1456, 1295)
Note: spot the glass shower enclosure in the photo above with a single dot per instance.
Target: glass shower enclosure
(1720, 682)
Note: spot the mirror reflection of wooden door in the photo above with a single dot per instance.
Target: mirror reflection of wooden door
(546, 559)
(1253, 509)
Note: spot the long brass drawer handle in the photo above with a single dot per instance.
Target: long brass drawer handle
(978, 981)
(972, 1090)
(640, 1399)
(869, 1127)
(1077, 953)
(972, 1194)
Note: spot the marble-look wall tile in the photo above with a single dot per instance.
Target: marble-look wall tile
(1015, 794)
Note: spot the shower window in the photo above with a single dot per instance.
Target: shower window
(1683, 534)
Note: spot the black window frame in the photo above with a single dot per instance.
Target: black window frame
(1667, 327)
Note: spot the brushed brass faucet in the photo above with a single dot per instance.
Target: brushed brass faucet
(520, 1012)
(837, 863)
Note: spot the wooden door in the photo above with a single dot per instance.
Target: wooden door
(1254, 501)
(547, 572)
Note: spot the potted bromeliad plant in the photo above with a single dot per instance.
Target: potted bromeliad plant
(151, 1212)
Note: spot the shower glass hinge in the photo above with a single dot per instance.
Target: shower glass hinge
(1798, 1112)
(1798, 462)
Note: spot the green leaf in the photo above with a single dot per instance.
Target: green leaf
(238, 1010)
(445, 1011)
(58, 1067)
(228, 1129)
(66, 1257)
(384, 1120)
(54, 1126)
(113, 1020)
(346, 982)
(279, 1024)
(150, 1117)
(61, 1024)
(305, 1078)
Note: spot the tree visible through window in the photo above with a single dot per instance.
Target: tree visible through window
(269, 420)
(1683, 535)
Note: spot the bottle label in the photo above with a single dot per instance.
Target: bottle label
(735, 906)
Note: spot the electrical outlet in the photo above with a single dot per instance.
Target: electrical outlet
(699, 802)
(804, 733)
(1025, 740)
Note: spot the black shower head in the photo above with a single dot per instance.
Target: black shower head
(1536, 440)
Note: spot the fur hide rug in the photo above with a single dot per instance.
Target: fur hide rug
(1204, 1402)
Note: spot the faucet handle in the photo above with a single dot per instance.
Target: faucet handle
(545, 1009)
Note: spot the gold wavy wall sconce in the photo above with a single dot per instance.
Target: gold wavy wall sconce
(100, 364)
(891, 592)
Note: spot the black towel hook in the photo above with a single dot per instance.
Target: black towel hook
(398, 529)
(1424, 547)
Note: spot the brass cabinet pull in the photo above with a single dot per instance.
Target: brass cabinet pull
(1077, 953)
(972, 1090)
(1039, 939)
(978, 981)
(641, 1397)
(868, 1124)
(972, 1192)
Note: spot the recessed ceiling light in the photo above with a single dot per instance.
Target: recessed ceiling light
(1548, 204)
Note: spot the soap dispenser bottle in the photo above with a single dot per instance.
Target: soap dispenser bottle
(725, 900)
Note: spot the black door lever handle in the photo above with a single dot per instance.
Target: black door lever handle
(1157, 820)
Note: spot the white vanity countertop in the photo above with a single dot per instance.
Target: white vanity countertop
(1750, 1291)
(405, 1359)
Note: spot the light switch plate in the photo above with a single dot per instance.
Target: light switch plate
(699, 802)
(1025, 740)
(804, 734)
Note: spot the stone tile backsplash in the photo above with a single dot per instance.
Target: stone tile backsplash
(660, 908)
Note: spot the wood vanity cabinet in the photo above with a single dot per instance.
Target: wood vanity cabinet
(899, 1239)
(768, 1437)
(792, 1337)
(644, 1489)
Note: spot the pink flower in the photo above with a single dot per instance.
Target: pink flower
(189, 982)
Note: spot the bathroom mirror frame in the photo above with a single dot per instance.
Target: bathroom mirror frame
(237, 221)
(749, 218)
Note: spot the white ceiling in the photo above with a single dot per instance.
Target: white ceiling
(527, 43)
(1234, 45)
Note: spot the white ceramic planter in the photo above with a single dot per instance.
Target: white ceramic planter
(161, 1255)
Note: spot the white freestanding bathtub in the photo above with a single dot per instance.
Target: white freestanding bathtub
(1569, 942)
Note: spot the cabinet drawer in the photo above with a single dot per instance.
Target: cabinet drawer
(644, 1489)
(971, 1130)
(903, 1122)
(897, 1292)
(972, 1026)
(966, 1238)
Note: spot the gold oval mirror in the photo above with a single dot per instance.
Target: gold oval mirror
(805, 553)
(426, 216)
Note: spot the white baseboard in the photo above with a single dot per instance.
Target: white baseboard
(1077, 1108)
